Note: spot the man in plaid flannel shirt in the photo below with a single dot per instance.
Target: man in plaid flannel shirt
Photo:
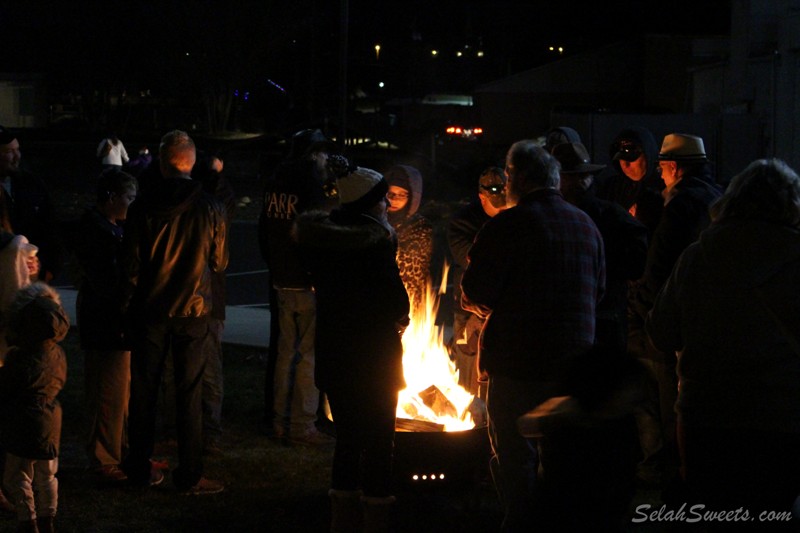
(537, 271)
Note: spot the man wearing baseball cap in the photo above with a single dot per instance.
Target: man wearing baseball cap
(634, 183)
(28, 204)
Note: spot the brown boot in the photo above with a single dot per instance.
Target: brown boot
(377, 513)
(345, 511)
(47, 524)
(27, 526)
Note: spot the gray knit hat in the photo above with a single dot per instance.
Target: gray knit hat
(361, 189)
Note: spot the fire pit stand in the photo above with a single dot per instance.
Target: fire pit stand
(431, 459)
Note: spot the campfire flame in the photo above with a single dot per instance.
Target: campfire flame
(432, 392)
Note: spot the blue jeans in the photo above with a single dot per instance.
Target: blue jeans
(516, 459)
(213, 382)
(184, 338)
(296, 397)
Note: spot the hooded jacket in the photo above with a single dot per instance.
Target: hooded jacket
(34, 373)
(361, 303)
(644, 194)
(414, 233)
(730, 309)
(174, 239)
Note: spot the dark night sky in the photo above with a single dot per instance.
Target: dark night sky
(144, 44)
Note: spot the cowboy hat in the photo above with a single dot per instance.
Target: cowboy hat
(574, 159)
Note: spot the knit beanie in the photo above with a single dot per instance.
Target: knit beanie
(361, 189)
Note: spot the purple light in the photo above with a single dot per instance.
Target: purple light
(281, 89)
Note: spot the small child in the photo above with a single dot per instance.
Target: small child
(35, 371)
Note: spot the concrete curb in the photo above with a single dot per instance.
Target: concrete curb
(244, 326)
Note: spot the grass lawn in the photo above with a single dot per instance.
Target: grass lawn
(269, 487)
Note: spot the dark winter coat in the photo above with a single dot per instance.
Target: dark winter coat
(685, 216)
(361, 302)
(731, 310)
(220, 187)
(98, 276)
(461, 231)
(293, 189)
(174, 239)
(539, 269)
(625, 242)
(34, 373)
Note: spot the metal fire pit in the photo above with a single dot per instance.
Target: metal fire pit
(429, 459)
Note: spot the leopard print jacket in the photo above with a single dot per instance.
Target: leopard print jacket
(414, 250)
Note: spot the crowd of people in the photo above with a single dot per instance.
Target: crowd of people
(628, 325)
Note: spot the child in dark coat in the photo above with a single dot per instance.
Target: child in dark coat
(34, 373)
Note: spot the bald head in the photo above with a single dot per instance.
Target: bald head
(177, 154)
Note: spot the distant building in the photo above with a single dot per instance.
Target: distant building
(740, 93)
(23, 100)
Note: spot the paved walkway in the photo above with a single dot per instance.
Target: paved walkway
(246, 326)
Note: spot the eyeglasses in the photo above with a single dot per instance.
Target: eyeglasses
(396, 196)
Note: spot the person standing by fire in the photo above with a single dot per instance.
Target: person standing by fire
(461, 231)
(730, 312)
(296, 186)
(362, 311)
(536, 272)
(414, 231)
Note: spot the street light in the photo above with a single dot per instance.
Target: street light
(377, 51)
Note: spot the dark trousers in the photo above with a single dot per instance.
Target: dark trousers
(272, 357)
(656, 420)
(364, 418)
(184, 339)
(213, 382)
